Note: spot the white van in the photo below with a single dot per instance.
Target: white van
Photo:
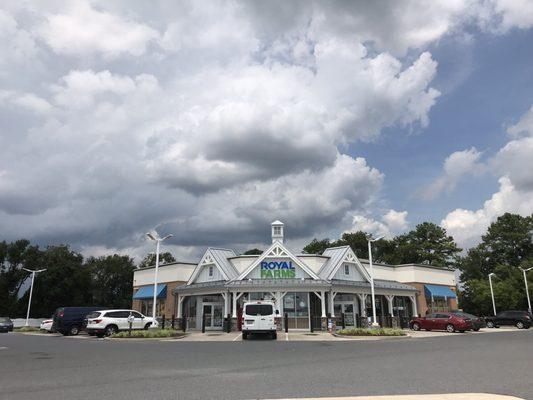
(259, 317)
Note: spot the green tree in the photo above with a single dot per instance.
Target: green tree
(111, 280)
(317, 246)
(149, 259)
(505, 247)
(13, 257)
(66, 282)
(253, 252)
(427, 243)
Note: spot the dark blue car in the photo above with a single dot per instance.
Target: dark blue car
(6, 325)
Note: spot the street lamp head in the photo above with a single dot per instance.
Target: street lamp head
(168, 236)
(151, 236)
(378, 238)
(492, 274)
(369, 238)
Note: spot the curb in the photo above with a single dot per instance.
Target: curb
(347, 337)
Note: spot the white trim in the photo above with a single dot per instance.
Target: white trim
(349, 257)
(277, 250)
(207, 259)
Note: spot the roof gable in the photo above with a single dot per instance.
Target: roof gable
(338, 256)
(219, 258)
(277, 250)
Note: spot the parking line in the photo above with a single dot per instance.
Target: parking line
(236, 337)
(3, 348)
(286, 337)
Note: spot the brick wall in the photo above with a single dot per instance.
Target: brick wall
(422, 301)
(170, 302)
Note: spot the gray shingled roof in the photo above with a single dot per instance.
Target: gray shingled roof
(221, 258)
(378, 284)
(202, 285)
(335, 255)
(246, 283)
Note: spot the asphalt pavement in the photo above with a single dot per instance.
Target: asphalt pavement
(41, 367)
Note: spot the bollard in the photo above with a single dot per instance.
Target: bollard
(229, 323)
(311, 319)
(343, 321)
(203, 323)
(163, 322)
(286, 322)
(173, 321)
(183, 324)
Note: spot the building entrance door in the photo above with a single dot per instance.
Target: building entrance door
(296, 305)
(213, 315)
(348, 309)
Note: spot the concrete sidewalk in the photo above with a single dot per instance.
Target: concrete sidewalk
(455, 396)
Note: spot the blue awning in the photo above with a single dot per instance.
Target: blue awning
(147, 292)
(439, 291)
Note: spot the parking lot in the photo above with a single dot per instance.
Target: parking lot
(52, 366)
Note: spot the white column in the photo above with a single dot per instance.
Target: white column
(323, 303)
(226, 306)
(362, 300)
(234, 308)
(390, 299)
(413, 302)
(180, 305)
(332, 295)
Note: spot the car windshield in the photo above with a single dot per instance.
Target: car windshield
(93, 315)
(4, 319)
(258, 309)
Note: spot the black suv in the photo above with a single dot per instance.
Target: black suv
(520, 319)
(71, 320)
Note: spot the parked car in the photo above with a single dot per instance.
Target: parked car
(520, 319)
(70, 320)
(108, 322)
(46, 325)
(477, 322)
(259, 317)
(443, 321)
(6, 325)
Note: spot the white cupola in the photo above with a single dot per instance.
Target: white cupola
(277, 231)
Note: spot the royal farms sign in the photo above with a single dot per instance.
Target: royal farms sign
(277, 269)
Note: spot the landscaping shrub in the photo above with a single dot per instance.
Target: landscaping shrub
(27, 329)
(371, 332)
(148, 334)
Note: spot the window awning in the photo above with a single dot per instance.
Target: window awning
(147, 292)
(439, 291)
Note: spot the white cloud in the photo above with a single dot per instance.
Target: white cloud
(82, 30)
(512, 14)
(391, 224)
(456, 166)
(467, 226)
(515, 195)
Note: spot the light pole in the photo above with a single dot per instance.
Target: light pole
(158, 241)
(527, 290)
(33, 272)
(492, 292)
(374, 319)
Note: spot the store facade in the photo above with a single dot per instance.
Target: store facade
(308, 290)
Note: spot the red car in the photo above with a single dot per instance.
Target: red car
(442, 321)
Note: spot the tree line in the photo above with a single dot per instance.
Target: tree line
(69, 279)
(72, 280)
(504, 249)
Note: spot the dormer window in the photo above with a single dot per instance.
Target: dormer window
(346, 269)
(210, 271)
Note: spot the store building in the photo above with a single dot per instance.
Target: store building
(169, 277)
(307, 289)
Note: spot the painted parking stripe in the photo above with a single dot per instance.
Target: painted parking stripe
(3, 348)
(286, 337)
(237, 337)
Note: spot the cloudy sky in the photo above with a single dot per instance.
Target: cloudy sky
(210, 119)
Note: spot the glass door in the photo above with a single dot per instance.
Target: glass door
(208, 316)
(296, 305)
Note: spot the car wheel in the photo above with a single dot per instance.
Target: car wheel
(490, 324)
(111, 330)
(476, 329)
(450, 328)
(74, 330)
(244, 336)
(520, 325)
(147, 326)
(416, 326)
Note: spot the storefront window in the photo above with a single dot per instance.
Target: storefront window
(146, 307)
(437, 304)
